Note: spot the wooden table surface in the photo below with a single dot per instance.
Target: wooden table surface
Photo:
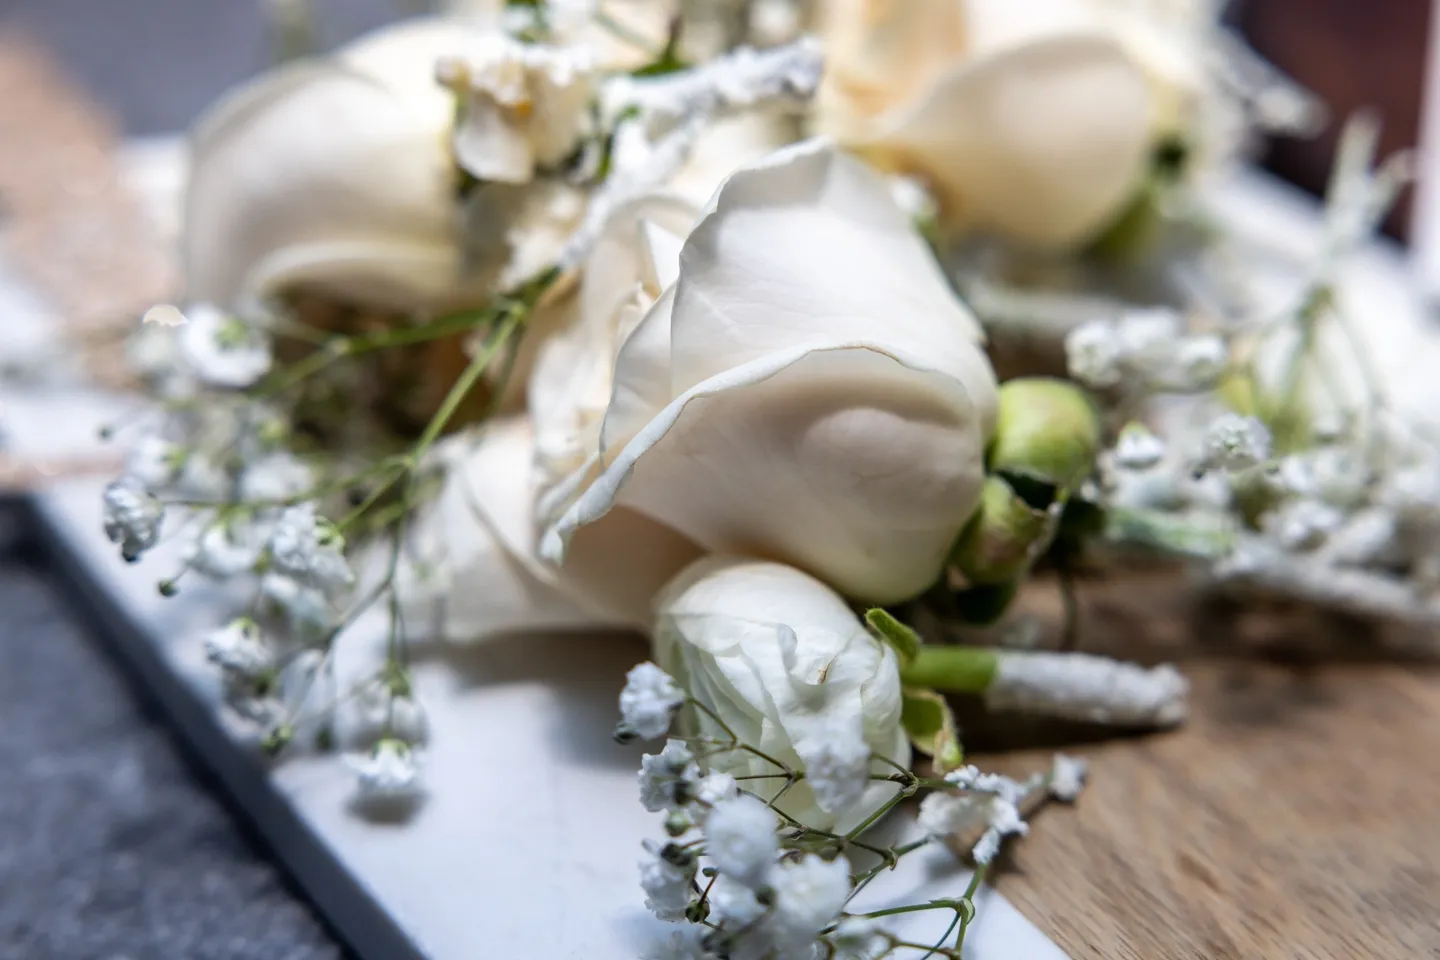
(1297, 814)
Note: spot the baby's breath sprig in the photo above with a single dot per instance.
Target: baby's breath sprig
(739, 877)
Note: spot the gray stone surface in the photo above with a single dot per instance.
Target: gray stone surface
(157, 63)
(110, 848)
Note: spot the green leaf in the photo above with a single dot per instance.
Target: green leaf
(930, 725)
(904, 640)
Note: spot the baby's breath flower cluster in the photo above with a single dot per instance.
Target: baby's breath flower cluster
(740, 879)
(1274, 470)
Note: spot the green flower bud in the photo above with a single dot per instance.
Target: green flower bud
(1004, 537)
(1046, 431)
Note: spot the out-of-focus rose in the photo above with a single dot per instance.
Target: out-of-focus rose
(808, 390)
(471, 570)
(790, 670)
(335, 175)
(1033, 120)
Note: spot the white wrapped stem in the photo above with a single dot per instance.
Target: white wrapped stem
(1077, 686)
(685, 105)
(741, 80)
(1337, 588)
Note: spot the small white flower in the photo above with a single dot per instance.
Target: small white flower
(384, 713)
(277, 476)
(1003, 819)
(809, 893)
(307, 608)
(946, 814)
(224, 351)
(1094, 354)
(1148, 336)
(837, 764)
(308, 549)
(238, 648)
(1067, 777)
(714, 788)
(740, 838)
(1138, 448)
(132, 517)
(668, 778)
(734, 904)
(391, 770)
(668, 884)
(649, 701)
(155, 462)
(1199, 362)
(224, 550)
(1303, 524)
(201, 478)
(858, 938)
(1235, 443)
(995, 784)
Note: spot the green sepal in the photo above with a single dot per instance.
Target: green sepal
(905, 641)
(1005, 536)
(930, 724)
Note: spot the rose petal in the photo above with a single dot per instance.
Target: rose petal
(1044, 142)
(333, 174)
(843, 461)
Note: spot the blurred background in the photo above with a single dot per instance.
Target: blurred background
(110, 848)
(157, 63)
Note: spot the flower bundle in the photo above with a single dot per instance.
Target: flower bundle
(679, 318)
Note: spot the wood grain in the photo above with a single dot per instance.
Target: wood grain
(1295, 815)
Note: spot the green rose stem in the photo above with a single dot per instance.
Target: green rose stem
(952, 669)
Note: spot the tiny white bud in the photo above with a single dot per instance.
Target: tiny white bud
(1137, 448)
(1235, 443)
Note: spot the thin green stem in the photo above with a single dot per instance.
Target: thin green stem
(462, 387)
(338, 347)
(968, 902)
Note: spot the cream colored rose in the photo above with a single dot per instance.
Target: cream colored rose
(335, 174)
(472, 571)
(807, 390)
(789, 669)
(1033, 120)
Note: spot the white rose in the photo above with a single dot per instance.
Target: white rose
(635, 258)
(808, 390)
(791, 671)
(334, 174)
(1034, 120)
(471, 559)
